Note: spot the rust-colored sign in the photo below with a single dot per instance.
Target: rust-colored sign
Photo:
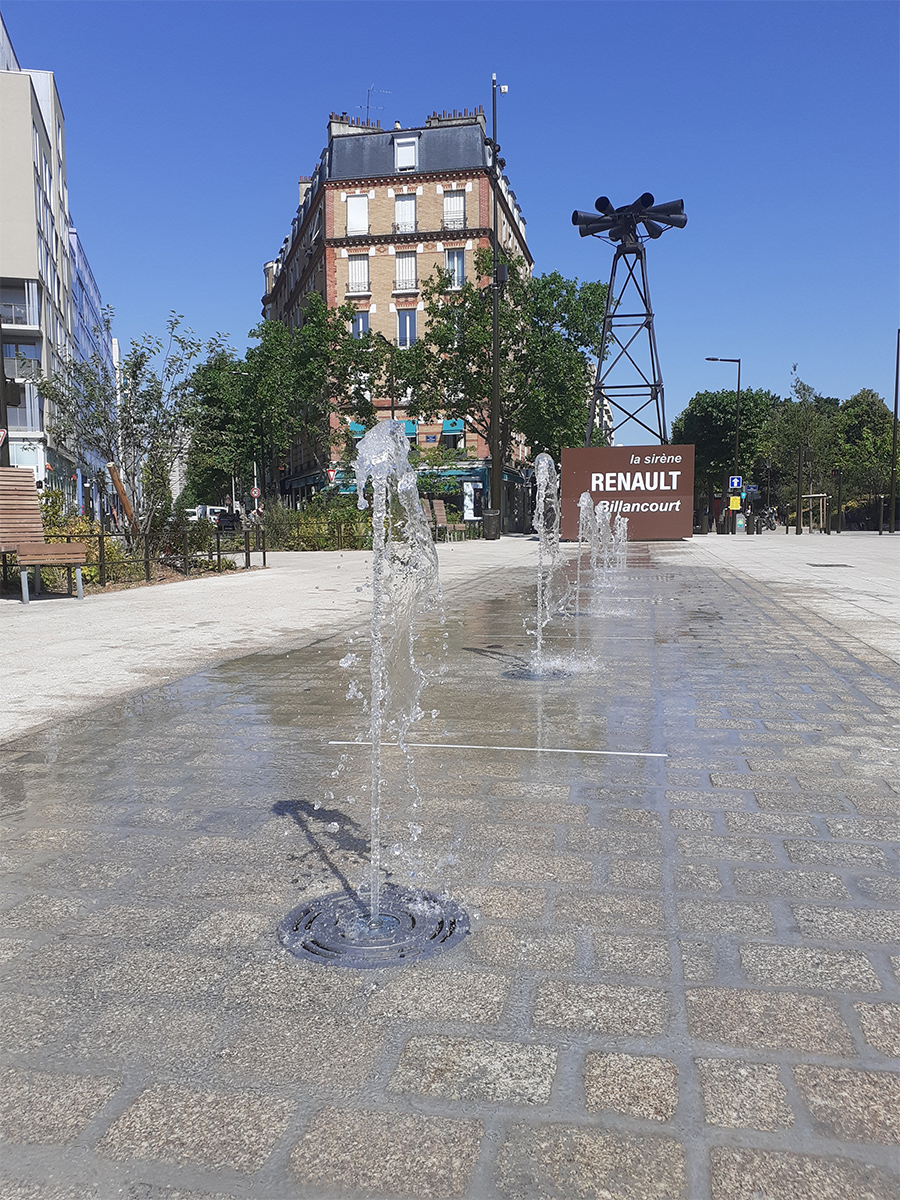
(653, 486)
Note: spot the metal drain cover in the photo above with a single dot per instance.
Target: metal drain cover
(337, 929)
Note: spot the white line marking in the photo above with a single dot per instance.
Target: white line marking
(527, 749)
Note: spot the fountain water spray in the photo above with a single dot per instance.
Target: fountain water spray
(546, 526)
(604, 545)
(620, 541)
(399, 924)
(589, 534)
(405, 583)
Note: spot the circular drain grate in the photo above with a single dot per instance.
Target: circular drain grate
(337, 929)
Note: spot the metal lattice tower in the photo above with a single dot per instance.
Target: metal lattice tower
(629, 379)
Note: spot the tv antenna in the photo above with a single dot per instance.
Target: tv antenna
(378, 107)
(632, 380)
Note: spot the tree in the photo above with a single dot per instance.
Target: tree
(549, 328)
(136, 418)
(708, 421)
(865, 427)
(288, 386)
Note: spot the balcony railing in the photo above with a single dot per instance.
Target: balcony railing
(453, 223)
(406, 285)
(404, 227)
(360, 288)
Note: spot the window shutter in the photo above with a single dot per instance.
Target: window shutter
(357, 214)
(406, 270)
(359, 272)
(405, 214)
(454, 210)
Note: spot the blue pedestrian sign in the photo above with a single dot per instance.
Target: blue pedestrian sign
(734, 481)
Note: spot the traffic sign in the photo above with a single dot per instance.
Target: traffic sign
(331, 472)
(734, 502)
(735, 482)
(255, 493)
(753, 489)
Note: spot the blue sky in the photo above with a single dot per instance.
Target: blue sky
(188, 125)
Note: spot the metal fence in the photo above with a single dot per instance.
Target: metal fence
(119, 557)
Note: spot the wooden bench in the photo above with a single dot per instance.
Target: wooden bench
(440, 521)
(22, 532)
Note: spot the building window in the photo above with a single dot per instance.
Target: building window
(360, 324)
(406, 153)
(357, 214)
(406, 280)
(454, 210)
(405, 214)
(406, 327)
(359, 273)
(455, 263)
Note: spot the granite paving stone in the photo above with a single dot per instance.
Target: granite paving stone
(853, 924)
(880, 1024)
(767, 1020)
(387, 1153)
(678, 982)
(860, 1106)
(744, 1095)
(181, 1125)
(556, 1161)
(638, 1086)
(743, 1174)
(808, 966)
(474, 1069)
(603, 1008)
(45, 1107)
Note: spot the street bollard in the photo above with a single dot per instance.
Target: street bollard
(218, 549)
(246, 549)
(264, 547)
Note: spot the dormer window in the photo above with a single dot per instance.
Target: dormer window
(406, 153)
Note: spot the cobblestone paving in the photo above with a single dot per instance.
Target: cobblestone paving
(682, 982)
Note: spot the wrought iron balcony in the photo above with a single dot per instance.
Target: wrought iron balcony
(406, 285)
(453, 223)
(404, 227)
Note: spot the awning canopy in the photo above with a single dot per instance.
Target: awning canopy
(411, 428)
(454, 426)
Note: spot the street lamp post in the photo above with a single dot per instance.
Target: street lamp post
(496, 448)
(737, 423)
(893, 501)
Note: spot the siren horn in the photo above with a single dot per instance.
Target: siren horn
(644, 201)
(603, 204)
(652, 228)
(589, 223)
(664, 210)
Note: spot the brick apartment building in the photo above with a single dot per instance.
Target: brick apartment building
(380, 211)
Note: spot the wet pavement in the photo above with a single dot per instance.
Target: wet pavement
(682, 979)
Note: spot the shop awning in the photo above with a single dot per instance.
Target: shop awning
(454, 426)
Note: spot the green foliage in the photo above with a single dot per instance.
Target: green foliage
(138, 420)
(330, 521)
(825, 434)
(708, 423)
(288, 386)
(549, 329)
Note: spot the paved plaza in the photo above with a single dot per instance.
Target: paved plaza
(678, 852)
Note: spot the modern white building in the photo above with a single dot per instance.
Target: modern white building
(49, 301)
